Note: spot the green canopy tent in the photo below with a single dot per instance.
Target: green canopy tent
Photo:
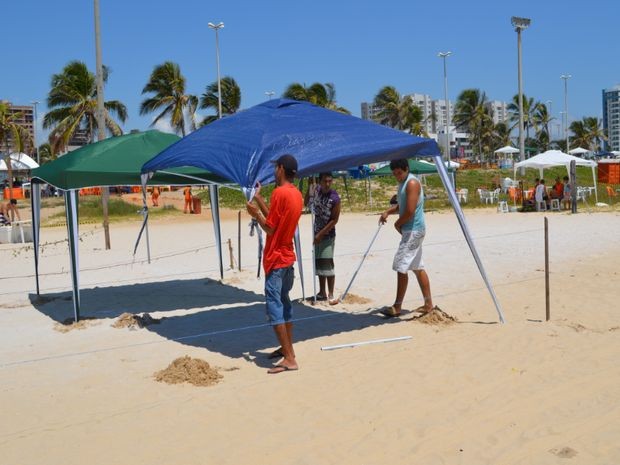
(416, 167)
(110, 162)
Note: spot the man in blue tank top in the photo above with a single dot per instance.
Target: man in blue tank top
(412, 228)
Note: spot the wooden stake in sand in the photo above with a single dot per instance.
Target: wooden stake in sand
(365, 343)
(230, 252)
(547, 304)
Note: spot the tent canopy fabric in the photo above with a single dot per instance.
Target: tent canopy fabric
(241, 147)
(578, 151)
(507, 149)
(115, 161)
(552, 158)
(19, 161)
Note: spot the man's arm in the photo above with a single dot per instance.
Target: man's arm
(413, 194)
(390, 211)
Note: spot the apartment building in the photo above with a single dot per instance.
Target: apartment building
(24, 117)
(611, 117)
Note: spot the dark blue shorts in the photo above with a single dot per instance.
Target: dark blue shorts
(278, 284)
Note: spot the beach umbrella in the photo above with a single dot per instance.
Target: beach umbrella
(242, 147)
(19, 162)
(508, 149)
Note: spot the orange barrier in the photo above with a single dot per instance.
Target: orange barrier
(90, 191)
(17, 192)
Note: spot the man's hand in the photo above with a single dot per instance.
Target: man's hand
(383, 217)
(318, 238)
(257, 191)
(252, 209)
(398, 228)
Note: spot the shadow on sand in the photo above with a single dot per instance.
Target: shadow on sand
(223, 318)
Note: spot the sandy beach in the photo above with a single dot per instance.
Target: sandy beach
(472, 392)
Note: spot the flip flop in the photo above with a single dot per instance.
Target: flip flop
(276, 354)
(280, 369)
(389, 312)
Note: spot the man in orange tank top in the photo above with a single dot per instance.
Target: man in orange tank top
(279, 221)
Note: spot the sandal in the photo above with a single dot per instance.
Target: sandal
(390, 312)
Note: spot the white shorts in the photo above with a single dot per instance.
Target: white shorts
(409, 253)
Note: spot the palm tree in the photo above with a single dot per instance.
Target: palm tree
(541, 120)
(231, 98)
(46, 153)
(73, 103)
(322, 95)
(472, 114)
(587, 133)
(529, 107)
(13, 138)
(168, 86)
(398, 112)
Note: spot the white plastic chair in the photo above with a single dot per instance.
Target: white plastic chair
(555, 205)
(462, 195)
(502, 207)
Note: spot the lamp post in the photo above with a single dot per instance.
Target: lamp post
(562, 125)
(566, 77)
(105, 192)
(549, 104)
(445, 55)
(520, 24)
(217, 28)
(34, 130)
(270, 93)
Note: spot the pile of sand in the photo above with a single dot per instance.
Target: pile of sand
(189, 370)
(70, 324)
(355, 299)
(129, 320)
(436, 317)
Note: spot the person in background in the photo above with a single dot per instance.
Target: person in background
(279, 221)
(540, 194)
(567, 194)
(10, 211)
(187, 195)
(326, 205)
(557, 191)
(155, 196)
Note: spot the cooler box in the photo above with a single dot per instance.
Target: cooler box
(196, 205)
(17, 193)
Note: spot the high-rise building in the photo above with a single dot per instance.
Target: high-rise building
(439, 114)
(499, 111)
(369, 111)
(424, 103)
(611, 117)
(23, 115)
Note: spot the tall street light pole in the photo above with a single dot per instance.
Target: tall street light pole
(217, 28)
(105, 192)
(34, 130)
(549, 104)
(445, 55)
(520, 24)
(566, 77)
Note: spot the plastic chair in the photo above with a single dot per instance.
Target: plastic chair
(555, 205)
(541, 206)
(462, 195)
(502, 207)
(610, 192)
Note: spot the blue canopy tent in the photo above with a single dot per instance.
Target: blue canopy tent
(241, 147)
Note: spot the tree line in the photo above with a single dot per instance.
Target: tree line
(72, 104)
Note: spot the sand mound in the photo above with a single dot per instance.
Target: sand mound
(189, 370)
(69, 324)
(436, 317)
(129, 320)
(355, 299)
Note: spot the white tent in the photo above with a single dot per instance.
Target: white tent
(552, 158)
(507, 149)
(19, 161)
(578, 151)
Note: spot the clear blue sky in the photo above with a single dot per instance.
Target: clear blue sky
(359, 45)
